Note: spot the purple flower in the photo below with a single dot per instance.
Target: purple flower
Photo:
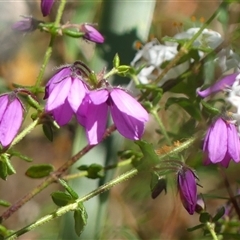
(27, 24)
(127, 114)
(11, 117)
(46, 6)
(65, 92)
(91, 34)
(187, 186)
(221, 143)
(218, 86)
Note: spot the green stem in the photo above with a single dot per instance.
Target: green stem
(50, 47)
(210, 227)
(24, 132)
(161, 126)
(74, 206)
(185, 48)
(112, 72)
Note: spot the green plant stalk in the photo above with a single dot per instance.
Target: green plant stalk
(48, 52)
(210, 227)
(24, 132)
(185, 48)
(161, 126)
(99, 190)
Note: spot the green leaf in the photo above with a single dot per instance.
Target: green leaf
(39, 171)
(150, 158)
(10, 168)
(4, 203)
(210, 109)
(80, 218)
(219, 214)
(3, 170)
(68, 188)
(61, 198)
(95, 171)
(204, 217)
(23, 157)
(157, 184)
(116, 61)
(48, 132)
(188, 105)
(195, 227)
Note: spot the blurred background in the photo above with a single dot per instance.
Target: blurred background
(129, 212)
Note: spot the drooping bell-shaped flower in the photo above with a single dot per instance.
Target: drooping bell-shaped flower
(221, 143)
(218, 86)
(187, 187)
(46, 6)
(91, 33)
(11, 117)
(27, 24)
(65, 92)
(127, 113)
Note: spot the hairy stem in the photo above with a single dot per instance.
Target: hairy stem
(210, 227)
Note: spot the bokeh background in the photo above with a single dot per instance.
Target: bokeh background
(129, 212)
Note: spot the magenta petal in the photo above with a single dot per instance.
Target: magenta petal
(99, 96)
(127, 126)
(81, 113)
(56, 79)
(59, 94)
(188, 189)
(128, 105)
(78, 91)
(63, 113)
(219, 85)
(11, 122)
(217, 141)
(46, 6)
(225, 162)
(3, 105)
(233, 143)
(95, 124)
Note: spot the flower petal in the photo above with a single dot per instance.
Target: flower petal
(127, 126)
(3, 105)
(99, 96)
(63, 113)
(218, 86)
(233, 142)
(11, 122)
(217, 141)
(128, 105)
(78, 91)
(95, 122)
(59, 94)
(46, 6)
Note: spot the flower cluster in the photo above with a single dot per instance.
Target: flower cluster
(68, 94)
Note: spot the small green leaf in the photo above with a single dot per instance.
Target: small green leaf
(39, 171)
(10, 168)
(68, 188)
(150, 158)
(4, 203)
(95, 171)
(61, 198)
(123, 69)
(210, 109)
(116, 61)
(219, 214)
(204, 217)
(48, 132)
(23, 157)
(3, 170)
(80, 218)
(158, 184)
(195, 227)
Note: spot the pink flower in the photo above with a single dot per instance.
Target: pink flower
(187, 186)
(65, 92)
(218, 86)
(11, 117)
(128, 115)
(27, 24)
(91, 34)
(46, 6)
(221, 143)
